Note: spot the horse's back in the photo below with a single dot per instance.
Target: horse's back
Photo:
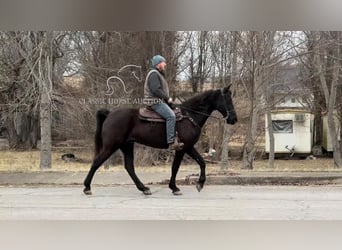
(118, 123)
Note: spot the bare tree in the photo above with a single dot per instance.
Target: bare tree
(199, 59)
(20, 85)
(224, 46)
(259, 49)
(264, 52)
(266, 87)
(312, 81)
(328, 65)
(19, 93)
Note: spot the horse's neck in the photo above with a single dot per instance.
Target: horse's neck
(200, 107)
(200, 115)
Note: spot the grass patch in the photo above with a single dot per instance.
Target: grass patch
(28, 161)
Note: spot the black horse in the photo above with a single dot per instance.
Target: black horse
(122, 127)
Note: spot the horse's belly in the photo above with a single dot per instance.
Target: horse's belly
(150, 134)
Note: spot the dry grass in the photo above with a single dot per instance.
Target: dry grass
(28, 161)
(323, 164)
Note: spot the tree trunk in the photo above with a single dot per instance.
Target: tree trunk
(331, 121)
(225, 139)
(27, 129)
(319, 106)
(45, 103)
(271, 137)
(224, 154)
(318, 128)
(249, 149)
(12, 135)
(45, 131)
(330, 97)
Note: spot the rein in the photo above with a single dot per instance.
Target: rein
(201, 113)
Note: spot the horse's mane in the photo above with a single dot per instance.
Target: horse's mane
(199, 99)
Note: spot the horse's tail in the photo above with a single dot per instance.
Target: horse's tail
(101, 116)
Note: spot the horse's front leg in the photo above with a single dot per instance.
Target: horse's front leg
(175, 167)
(199, 159)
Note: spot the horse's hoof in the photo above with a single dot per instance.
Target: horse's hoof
(87, 192)
(177, 193)
(199, 187)
(147, 192)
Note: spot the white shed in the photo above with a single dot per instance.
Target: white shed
(293, 131)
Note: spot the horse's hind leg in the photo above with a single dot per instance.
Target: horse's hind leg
(127, 149)
(99, 159)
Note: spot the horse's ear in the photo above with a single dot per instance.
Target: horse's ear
(226, 89)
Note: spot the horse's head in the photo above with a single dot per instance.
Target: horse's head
(225, 105)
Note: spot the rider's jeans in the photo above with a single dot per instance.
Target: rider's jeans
(166, 112)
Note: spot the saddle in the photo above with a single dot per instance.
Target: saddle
(148, 114)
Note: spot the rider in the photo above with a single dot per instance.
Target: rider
(156, 95)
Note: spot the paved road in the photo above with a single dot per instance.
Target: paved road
(124, 202)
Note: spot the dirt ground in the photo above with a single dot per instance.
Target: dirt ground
(28, 161)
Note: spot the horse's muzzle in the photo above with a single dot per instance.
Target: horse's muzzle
(232, 120)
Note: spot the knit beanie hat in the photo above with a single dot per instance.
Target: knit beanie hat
(157, 59)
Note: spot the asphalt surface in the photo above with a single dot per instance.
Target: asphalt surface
(214, 202)
(53, 195)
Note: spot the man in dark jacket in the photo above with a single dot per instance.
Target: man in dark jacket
(156, 95)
